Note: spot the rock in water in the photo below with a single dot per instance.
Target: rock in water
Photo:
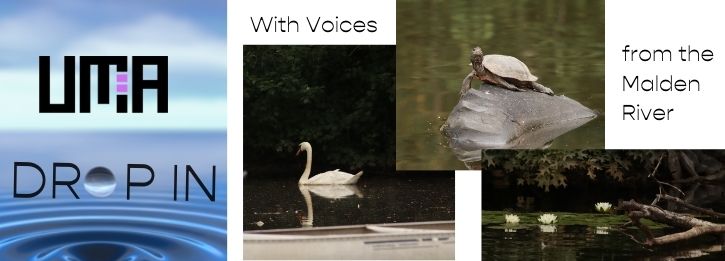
(497, 118)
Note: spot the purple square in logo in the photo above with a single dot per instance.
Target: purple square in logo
(121, 77)
(121, 87)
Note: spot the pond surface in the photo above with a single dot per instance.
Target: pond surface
(562, 42)
(581, 242)
(582, 237)
(278, 202)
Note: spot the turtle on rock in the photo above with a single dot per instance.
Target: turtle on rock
(502, 70)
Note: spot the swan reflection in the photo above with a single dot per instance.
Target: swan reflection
(325, 191)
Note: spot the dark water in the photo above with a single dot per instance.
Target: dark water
(149, 226)
(562, 42)
(278, 202)
(581, 242)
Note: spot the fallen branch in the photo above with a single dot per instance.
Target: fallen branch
(691, 233)
(652, 175)
(696, 227)
(681, 202)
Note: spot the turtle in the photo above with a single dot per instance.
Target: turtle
(502, 70)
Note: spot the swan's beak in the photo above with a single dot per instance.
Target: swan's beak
(298, 152)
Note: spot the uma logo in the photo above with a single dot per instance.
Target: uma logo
(138, 83)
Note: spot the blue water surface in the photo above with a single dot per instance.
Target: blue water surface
(148, 226)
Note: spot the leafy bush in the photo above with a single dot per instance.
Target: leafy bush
(547, 168)
(339, 98)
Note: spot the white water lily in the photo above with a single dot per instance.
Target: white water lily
(547, 218)
(547, 228)
(602, 230)
(511, 219)
(603, 206)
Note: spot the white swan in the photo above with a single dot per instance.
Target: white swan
(326, 178)
(334, 191)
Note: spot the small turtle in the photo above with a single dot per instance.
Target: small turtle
(502, 70)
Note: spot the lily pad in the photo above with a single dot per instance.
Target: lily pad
(494, 219)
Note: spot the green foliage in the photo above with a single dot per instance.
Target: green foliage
(339, 98)
(547, 168)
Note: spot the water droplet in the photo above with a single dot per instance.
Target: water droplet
(100, 182)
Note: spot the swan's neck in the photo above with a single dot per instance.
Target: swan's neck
(308, 168)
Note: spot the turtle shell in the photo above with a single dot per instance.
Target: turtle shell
(508, 67)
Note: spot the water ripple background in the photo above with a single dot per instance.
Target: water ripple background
(150, 226)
